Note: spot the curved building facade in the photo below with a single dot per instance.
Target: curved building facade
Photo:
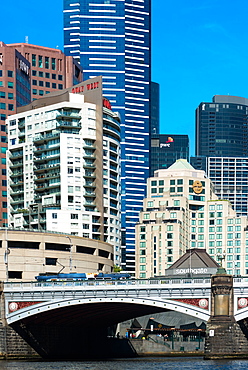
(64, 165)
(26, 254)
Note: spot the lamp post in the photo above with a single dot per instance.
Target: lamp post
(221, 258)
(70, 259)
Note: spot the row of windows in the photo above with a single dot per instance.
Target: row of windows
(47, 84)
(4, 105)
(9, 73)
(3, 95)
(10, 84)
(47, 75)
(48, 63)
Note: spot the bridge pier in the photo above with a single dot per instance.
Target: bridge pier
(224, 337)
(12, 345)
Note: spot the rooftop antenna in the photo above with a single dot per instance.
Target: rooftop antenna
(26, 39)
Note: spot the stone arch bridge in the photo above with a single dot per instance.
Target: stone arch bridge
(69, 319)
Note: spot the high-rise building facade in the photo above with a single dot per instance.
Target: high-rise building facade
(50, 69)
(221, 127)
(28, 72)
(113, 39)
(64, 165)
(230, 178)
(182, 211)
(222, 147)
(166, 149)
(155, 108)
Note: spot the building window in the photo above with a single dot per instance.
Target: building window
(54, 86)
(10, 84)
(74, 216)
(54, 215)
(47, 84)
(60, 87)
(47, 62)
(41, 83)
(40, 61)
(54, 64)
(10, 96)
(33, 60)
(34, 82)
(51, 261)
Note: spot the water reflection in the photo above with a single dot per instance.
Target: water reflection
(151, 363)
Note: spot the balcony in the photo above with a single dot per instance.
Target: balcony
(89, 174)
(44, 176)
(41, 167)
(89, 165)
(18, 154)
(90, 194)
(40, 138)
(41, 148)
(69, 123)
(16, 174)
(16, 164)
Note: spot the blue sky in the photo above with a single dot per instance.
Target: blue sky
(199, 49)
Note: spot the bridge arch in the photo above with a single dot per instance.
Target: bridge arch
(139, 306)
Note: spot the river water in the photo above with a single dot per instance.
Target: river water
(151, 363)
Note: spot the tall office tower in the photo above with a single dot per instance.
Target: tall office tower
(181, 211)
(154, 108)
(166, 149)
(221, 127)
(64, 165)
(113, 39)
(26, 73)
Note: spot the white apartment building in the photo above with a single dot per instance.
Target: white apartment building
(182, 211)
(63, 165)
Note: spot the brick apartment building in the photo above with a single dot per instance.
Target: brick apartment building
(28, 72)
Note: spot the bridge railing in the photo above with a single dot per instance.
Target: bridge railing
(104, 283)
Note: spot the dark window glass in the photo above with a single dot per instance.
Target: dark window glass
(47, 84)
(47, 62)
(33, 60)
(40, 61)
(10, 73)
(34, 73)
(54, 64)
(53, 76)
(54, 86)
(34, 82)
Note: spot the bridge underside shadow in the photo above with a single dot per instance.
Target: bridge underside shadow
(80, 331)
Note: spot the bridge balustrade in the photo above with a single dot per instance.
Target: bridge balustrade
(103, 283)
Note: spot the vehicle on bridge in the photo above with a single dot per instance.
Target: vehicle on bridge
(83, 276)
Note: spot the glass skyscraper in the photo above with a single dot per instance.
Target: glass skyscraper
(221, 127)
(112, 38)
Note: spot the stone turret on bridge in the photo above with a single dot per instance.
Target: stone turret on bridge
(225, 338)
